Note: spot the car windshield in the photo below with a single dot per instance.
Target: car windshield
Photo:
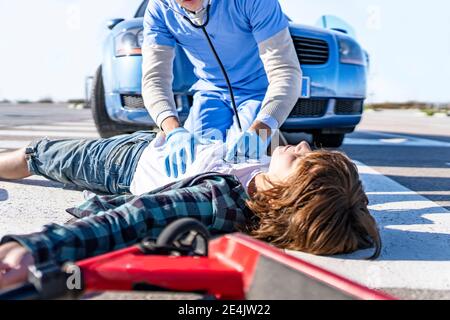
(141, 12)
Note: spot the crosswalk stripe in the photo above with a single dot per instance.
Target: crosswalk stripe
(56, 128)
(415, 233)
(69, 134)
(79, 123)
(14, 144)
(395, 140)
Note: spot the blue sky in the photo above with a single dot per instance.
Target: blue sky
(47, 47)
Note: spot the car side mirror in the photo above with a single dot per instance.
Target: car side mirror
(114, 22)
(340, 30)
(337, 24)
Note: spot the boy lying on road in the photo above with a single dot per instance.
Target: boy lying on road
(299, 199)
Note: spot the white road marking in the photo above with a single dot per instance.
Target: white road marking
(423, 193)
(416, 240)
(27, 206)
(66, 133)
(79, 123)
(395, 140)
(12, 144)
(78, 129)
(84, 128)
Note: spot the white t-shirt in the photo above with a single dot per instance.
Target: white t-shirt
(151, 173)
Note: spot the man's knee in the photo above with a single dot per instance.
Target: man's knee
(209, 111)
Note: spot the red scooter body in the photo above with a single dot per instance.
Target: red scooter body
(237, 267)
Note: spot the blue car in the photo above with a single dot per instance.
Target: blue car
(331, 105)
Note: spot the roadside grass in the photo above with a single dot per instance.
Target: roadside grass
(429, 112)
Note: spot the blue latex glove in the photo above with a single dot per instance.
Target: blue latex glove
(180, 146)
(249, 146)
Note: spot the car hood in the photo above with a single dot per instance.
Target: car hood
(294, 27)
(300, 29)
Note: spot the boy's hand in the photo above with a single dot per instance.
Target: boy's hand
(14, 262)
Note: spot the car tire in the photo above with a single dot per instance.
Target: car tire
(328, 140)
(105, 126)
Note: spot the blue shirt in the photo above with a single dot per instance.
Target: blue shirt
(235, 26)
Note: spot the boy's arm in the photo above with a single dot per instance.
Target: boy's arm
(218, 202)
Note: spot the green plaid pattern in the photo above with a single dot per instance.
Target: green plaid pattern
(109, 223)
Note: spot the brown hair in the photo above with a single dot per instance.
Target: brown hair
(321, 209)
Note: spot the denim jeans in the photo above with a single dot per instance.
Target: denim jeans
(102, 165)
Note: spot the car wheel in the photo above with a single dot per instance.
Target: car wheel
(328, 140)
(105, 126)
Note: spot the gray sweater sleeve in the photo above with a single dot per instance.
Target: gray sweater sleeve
(285, 76)
(157, 79)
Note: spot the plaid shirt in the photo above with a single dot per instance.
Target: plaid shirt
(110, 223)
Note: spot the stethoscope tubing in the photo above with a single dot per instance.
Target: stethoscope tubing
(214, 51)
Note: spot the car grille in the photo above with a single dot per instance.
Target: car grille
(348, 106)
(132, 101)
(311, 51)
(310, 108)
(303, 108)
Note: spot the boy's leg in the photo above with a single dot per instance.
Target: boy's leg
(102, 165)
(13, 165)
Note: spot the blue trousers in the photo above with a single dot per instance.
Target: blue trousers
(101, 165)
(212, 114)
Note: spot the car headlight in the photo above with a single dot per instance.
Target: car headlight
(129, 42)
(350, 52)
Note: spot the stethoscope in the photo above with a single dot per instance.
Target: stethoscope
(213, 49)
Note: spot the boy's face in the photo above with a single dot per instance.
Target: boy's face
(191, 5)
(285, 160)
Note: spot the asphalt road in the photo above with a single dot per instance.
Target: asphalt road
(408, 147)
(422, 166)
(404, 158)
